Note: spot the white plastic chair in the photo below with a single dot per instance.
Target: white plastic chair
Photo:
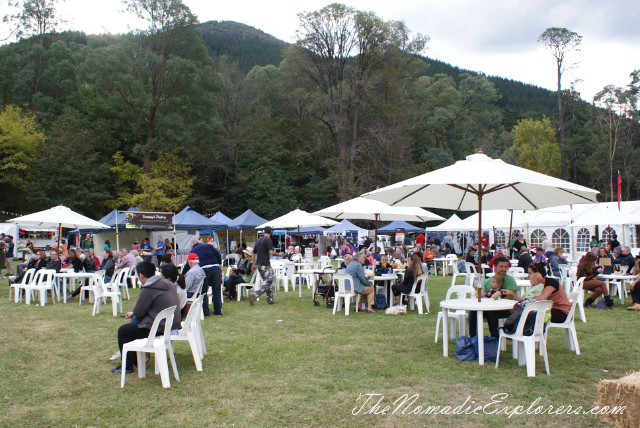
(279, 277)
(255, 282)
(132, 278)
(456, 274)
(191, 300)
(343, 294)
(472, 273)
(618, 285)
(578, 287)
(568, 324)
(43, 283)
(460, 316)
(22, 285)
(102, 293)
(526, 345)
(159, 346)
(417, 297)
(450, 263)
(190, 332)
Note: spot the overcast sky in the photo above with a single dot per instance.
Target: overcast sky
(497, 37)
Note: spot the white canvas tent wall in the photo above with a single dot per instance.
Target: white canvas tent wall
(556, 220)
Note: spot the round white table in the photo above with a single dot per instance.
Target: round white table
(387, 279)
(485, 304)
(442, 260)
(70, 276)
(617, 277)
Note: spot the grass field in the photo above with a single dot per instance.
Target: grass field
(293, 364)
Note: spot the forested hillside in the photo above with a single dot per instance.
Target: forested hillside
(221, 116)
(248, 47)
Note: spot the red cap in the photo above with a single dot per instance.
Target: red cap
(192, 257)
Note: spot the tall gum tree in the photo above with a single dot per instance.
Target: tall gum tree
(560, 42)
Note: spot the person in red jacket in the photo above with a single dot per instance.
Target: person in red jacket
(420, 240)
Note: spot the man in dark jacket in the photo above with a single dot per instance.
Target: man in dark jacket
(524, 259)
(210, 260)
(156, 294)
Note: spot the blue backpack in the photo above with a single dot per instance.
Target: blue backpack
(380, 302)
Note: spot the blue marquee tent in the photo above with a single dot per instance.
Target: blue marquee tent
(248, 220)
(220, 218)
(188, 218)
(408, 228)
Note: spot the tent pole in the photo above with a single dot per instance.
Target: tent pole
(117, 237)
(175, 250)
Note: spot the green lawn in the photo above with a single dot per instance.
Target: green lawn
(291, 364)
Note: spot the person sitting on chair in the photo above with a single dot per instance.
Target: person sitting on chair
(156, 294)
(194, 275)
(413, 271)
(360, 284)
(500, 267)
(240, 273)
(552, 290)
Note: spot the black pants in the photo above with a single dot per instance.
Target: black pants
(213, 279)
(401, 289)
(130, 332)
(557, 316)
(492, 318)
(635, 293)
(231, 283)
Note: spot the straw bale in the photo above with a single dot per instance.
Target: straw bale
(621, 392)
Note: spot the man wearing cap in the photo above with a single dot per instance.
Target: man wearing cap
(194, 275)
(263, 249)
(210, 260)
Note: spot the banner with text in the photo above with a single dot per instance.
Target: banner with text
(140, 220)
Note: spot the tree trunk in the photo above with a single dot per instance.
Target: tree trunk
(563, 154)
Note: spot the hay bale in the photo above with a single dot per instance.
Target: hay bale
(621, 392)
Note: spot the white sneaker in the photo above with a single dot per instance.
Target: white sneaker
(116, 356)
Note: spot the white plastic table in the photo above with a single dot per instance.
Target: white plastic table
(442, 260)
(622, 278)
(387, 279)
(485, 304)
(71, 277)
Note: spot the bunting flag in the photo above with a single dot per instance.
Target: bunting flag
(619, 190)
(11, 214)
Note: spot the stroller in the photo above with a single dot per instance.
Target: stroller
(327, 291)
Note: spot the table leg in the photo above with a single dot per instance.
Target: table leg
(445, 332)
(480, 329)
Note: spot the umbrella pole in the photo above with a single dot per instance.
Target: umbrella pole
(479, 270)
(509, 235)
(375, 242)
(59, 234)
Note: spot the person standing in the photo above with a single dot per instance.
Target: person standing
(9, 256)
(3, 251)
(263, 249)
(210, 260)
(160, 249)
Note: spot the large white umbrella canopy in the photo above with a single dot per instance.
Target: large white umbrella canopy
(298, 218)
(369, 209)
(60, 217)
(479, 181)
(479, 178)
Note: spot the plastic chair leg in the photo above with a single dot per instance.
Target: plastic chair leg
(347, 303)
(163, 368)
(438, 326)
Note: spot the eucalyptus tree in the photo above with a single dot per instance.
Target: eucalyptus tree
(560, 42)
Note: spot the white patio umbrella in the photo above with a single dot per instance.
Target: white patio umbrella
(479, 181)
(369, 209)
(60, 217)
(297, 218)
